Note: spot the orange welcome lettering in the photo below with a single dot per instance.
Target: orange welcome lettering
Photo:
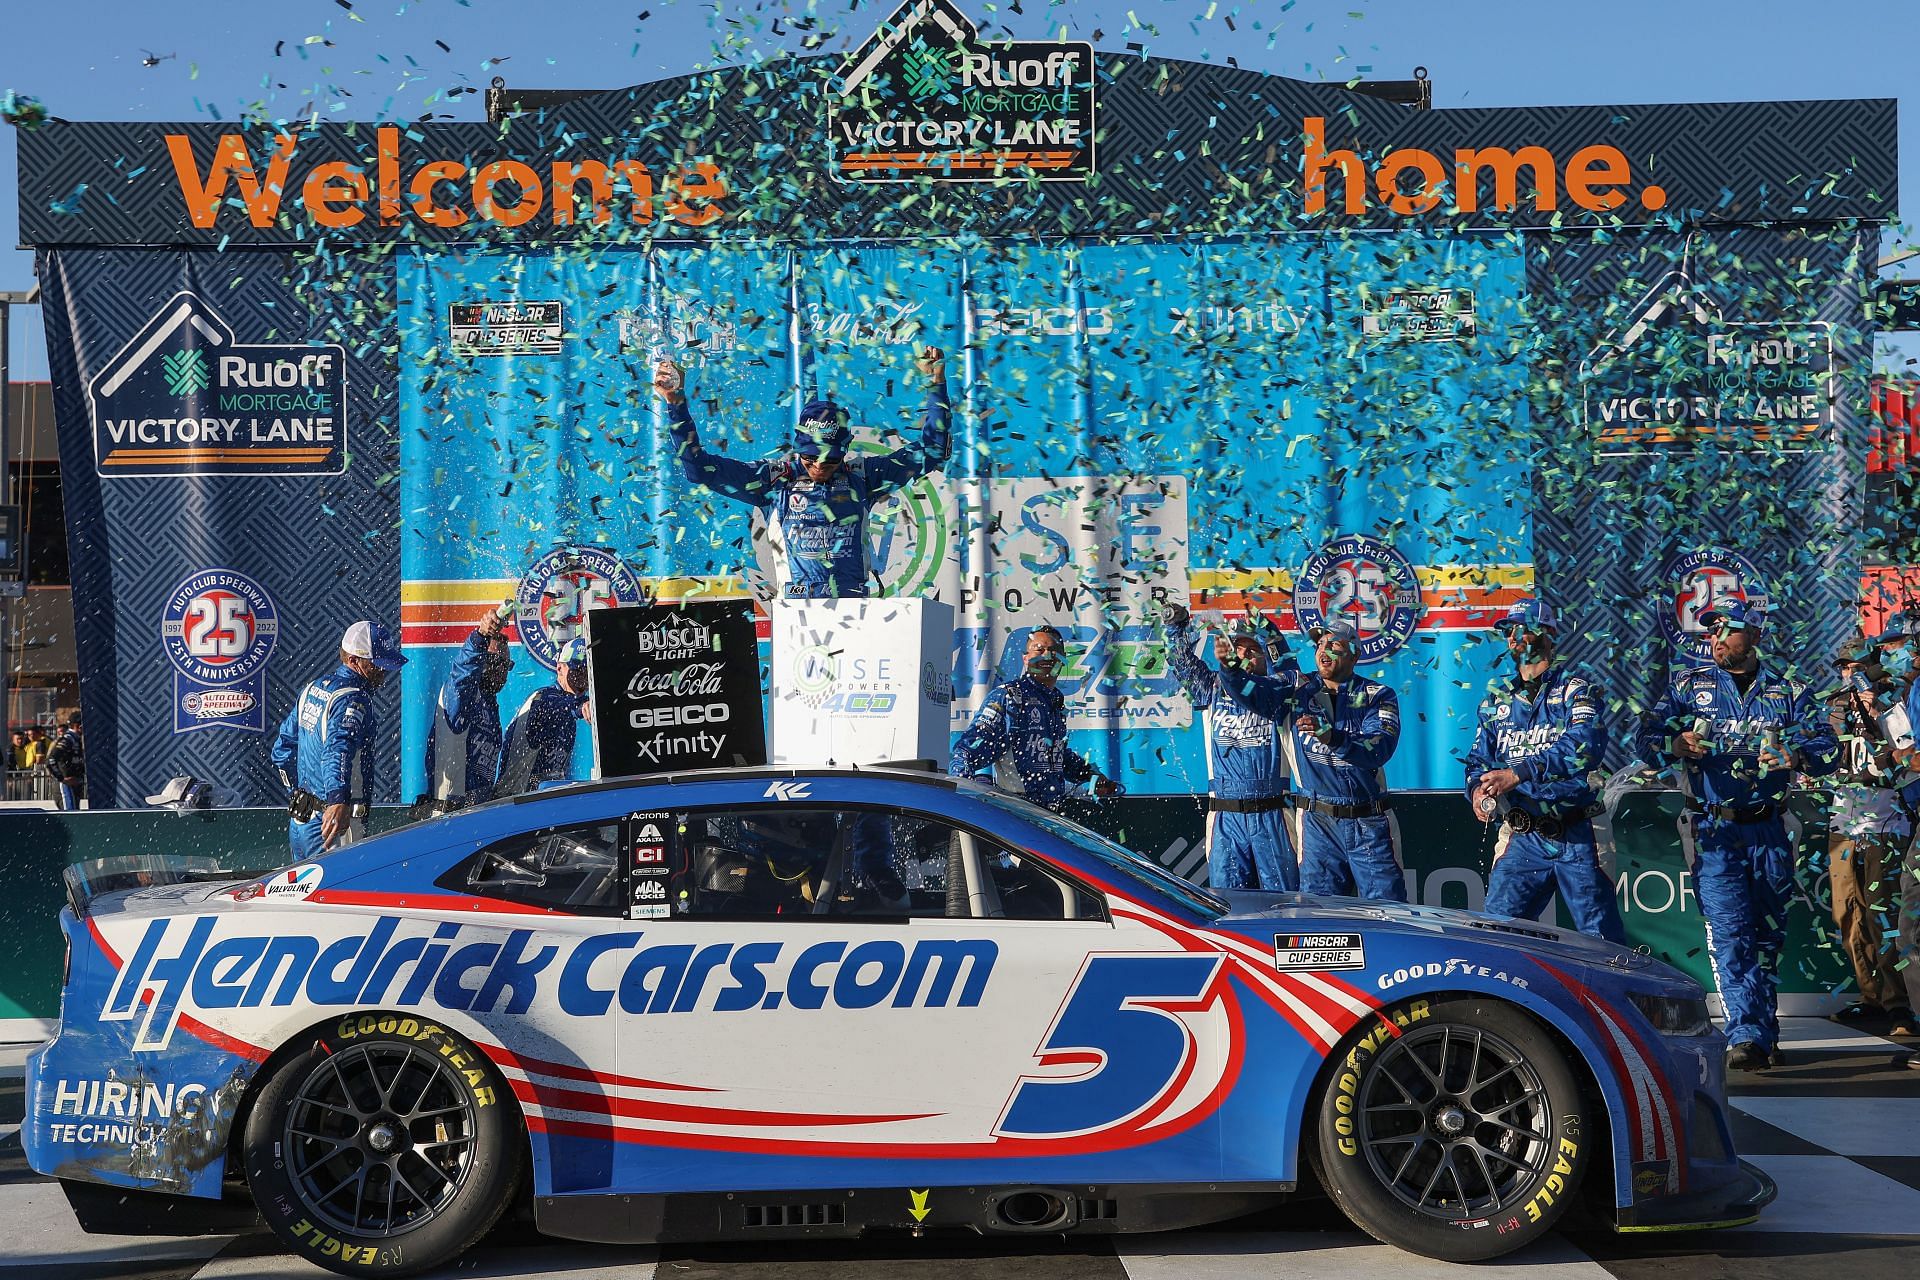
(440, 193)
(1410, 181)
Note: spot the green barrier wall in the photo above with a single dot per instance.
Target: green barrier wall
(1445, 849)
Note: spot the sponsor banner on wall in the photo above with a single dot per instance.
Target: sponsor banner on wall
(675, 687)
(183, 397)
(221, 533)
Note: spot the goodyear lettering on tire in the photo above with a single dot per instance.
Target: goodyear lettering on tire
(1346, 1084)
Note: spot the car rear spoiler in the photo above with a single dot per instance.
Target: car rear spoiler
(89, 880)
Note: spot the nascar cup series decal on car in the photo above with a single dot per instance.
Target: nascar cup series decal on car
(551, 602)
(1319, 951)
(218, 628)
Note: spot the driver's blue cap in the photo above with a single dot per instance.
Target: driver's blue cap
(1734, 613)
(1534, 615)
(822, 432)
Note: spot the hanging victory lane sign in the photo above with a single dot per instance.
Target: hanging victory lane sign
(1678, 374)
(926, 97)
(184, 398)
(675, 687)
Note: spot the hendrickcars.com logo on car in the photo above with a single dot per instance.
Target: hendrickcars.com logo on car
(177, 962)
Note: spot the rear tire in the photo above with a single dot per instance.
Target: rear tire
(384, 1146)
(1456, 1130)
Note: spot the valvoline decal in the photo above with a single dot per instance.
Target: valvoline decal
(179, 962)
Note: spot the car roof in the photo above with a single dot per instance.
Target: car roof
(892, 770)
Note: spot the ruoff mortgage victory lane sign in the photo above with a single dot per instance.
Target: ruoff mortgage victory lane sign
(925, 96)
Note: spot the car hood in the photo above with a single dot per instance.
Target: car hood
(1257, 915)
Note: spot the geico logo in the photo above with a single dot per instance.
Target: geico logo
(440, 193)
(307, 371)
(1593, 179)
(667, 717)
(178, 964)
(1045, 322)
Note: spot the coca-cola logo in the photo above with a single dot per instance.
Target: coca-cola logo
(884, 323)
(696, 680)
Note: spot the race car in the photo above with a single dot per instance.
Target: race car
(779, 1003)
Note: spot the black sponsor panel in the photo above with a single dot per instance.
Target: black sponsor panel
(676, 687)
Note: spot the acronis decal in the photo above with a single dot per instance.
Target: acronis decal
(181, 964)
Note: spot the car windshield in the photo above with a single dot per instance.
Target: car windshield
(1115, 856)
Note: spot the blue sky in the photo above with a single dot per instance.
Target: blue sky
(386, 57)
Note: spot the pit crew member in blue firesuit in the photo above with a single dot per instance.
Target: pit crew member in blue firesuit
(1247, 844)
(463, 751)
(1020, 733)
(1738, 731)
(1541, 734)
(324, 750)
(815, 497)
(1345, 728)
(539, 742)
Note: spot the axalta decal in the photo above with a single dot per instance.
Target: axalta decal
(393, 190)
(179, 965)
(1410, 181)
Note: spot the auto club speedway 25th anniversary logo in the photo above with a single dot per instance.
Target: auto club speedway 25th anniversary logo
(1695, 581)
(550, 603)
(218, 629)
(1366, 583)
(925, 97)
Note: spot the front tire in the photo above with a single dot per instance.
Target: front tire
(1452, 1128)
(383, 1147)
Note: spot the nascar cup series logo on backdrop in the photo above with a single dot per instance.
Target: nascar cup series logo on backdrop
(218, 629)
(550, 605)
(926, 97)
(1696, 581)
(184, 398)
(1366, 583)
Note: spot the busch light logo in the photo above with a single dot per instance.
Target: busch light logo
(184, 398)
(1696, 581)
(551, 603)
(218, 630)
(1366, 583)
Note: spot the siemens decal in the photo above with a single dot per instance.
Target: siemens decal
(179, 965)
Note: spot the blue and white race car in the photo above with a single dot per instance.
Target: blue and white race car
(809, 1003)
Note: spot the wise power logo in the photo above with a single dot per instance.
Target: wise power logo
(551, 602)
(1678, 375)
(1366, 583)
(1694, 582)
(218, 628)
(183, 397)
(925, 97)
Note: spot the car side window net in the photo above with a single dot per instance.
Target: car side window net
(570, 869)
(800, 861)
